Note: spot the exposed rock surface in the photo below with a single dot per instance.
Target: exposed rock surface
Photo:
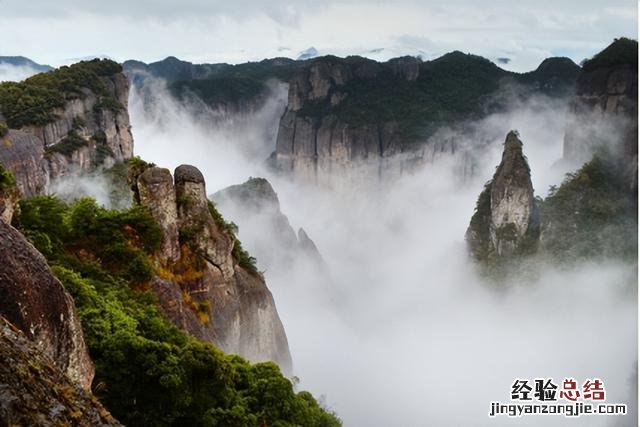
(156, 191)
(506, 219)
(35, 392)
(204, 288)
(35, 155)
(255, 207)
(35, 302)
(604, 111)
(312, 144)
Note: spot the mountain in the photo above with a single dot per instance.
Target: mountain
(172, 69)
(254, 204)
(592, 214)
(21, 61)
(344, 111)
(84, 123)
(505, 221)
(145, 291)
(208, 284)
(312, 52)
(148, 371)
(242, 88)
(71, 118)
(604, 111)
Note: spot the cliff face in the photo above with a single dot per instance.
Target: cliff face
(316, 144)
(85, 128)
(506, 219)
(353, 116)
(604, 111)
(208, 285)
(254, 205)
(35, 302)
(35, 392)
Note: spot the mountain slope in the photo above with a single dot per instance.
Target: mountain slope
(72, 117)
(21, 61)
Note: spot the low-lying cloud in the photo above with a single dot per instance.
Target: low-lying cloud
(16, 73)
(404, 332)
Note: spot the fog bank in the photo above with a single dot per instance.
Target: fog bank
(404, 332)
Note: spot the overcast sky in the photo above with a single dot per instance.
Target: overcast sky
(523, 32)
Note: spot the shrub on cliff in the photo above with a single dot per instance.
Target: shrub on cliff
(7, 179)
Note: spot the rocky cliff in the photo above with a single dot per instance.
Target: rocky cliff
(604, 112)
(505, 221)
(35, 392)
(352, 115)
(255, 207)
(70, 118)
(209, 286)
(35, 302)
(224, 89)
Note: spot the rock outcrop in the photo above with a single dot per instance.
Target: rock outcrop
(208, 285)
(314, 145)
(254, 206)
(90, 130)
(35, 302)
(604, 112)
(35, 392)
(505, 222)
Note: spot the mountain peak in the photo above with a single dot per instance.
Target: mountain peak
(622, 51)
(505, 212)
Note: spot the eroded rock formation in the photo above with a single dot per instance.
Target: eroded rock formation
(505, 221)
(35, 302)
(208, 285)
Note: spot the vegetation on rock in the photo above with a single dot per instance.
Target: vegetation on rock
(7, 179)
(622, 51)
(34, 100)
(69, 145)
(239, 254)
(591, 214)
(148, 372)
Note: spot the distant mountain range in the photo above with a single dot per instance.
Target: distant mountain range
(21, 61)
